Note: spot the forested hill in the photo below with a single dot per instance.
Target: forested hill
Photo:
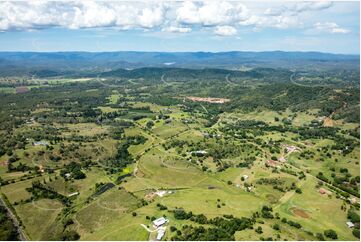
(26, 62)
(207, 73)
(176, 74)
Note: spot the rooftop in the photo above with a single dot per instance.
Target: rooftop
(160, 221)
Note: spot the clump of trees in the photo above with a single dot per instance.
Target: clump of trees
(72, 170)
(7, 229)
(224, 227)
(39, 190)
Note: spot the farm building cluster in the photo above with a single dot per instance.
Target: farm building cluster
(158, 225)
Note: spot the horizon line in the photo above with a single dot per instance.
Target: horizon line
(200, 51)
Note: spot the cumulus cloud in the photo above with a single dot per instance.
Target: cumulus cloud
(225, 30)
(330, 27)
(211, 13)
(224, 18)
(81, 14)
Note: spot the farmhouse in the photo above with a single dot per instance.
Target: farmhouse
(291, 148)
(322, 191)
(159, 222)
(199, 152)
(282, 159)
(37, 143)
(271, 163)
(206, 135)
(208, 99)
(161, 193)
(350, 224)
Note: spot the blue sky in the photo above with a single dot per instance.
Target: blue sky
(180, 26)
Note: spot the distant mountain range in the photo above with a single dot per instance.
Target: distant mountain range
(27, 62)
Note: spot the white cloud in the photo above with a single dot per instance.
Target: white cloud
(81, 14)
(297, 8)
(211, 13)
(273, 11)
(279, 22)
(224, 17)
(330, 27)
(311, 6)
(225, 30)
(176, 29)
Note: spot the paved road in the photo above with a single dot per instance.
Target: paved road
(227, 80)
(22, 235)
(303, 85)
(164, 81)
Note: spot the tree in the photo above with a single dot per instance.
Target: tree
(330, 233)
(70, 236)
(276, 227)
(356, 232)
(259, 230)
(320, 237)
(354, 217)
(150, 124)
(134, 214)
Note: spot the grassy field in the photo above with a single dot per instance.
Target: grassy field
(317, 209)
(139, 153)
(39, 217)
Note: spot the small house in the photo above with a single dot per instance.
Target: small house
(43, 143)
(350, 224)
(199, 152)
(322, 191)
(271, 163)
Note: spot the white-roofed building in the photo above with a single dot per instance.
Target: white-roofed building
(160, 221)
(350, 224)
(73, 194)
(160, 233)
